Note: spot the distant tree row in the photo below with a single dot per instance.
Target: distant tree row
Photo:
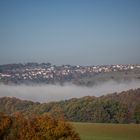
(44, 127)
(112, 108)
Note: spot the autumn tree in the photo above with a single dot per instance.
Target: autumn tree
(43, 127)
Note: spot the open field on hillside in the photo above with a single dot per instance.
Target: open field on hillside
(94, 131)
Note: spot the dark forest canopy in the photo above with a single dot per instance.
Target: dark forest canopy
(121, 107)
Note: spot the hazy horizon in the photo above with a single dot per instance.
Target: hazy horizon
(72, 64)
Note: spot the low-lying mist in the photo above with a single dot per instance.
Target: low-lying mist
(47, 93)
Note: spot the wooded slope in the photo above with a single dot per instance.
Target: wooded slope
(121, 107)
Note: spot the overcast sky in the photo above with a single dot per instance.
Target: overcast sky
(85, 32)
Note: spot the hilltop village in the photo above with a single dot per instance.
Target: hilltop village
(48, 73)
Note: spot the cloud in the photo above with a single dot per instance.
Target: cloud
(47, 93)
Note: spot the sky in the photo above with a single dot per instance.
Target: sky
(76, 32)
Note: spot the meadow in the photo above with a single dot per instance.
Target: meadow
(97, 131)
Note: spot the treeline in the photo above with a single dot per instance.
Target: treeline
(44, 127)
(121, 107)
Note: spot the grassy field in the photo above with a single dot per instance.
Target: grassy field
(93, 131)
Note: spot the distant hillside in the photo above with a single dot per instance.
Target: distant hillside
(121, 107)
(46, 73)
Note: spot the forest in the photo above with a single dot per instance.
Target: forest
(42, 127)
(121, 107)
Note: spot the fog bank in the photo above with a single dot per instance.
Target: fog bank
(46, 93)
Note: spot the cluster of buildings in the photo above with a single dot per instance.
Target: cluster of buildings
(47, 73)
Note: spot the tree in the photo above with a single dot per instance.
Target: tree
(5, 123)
(137, 113)
(43, 127)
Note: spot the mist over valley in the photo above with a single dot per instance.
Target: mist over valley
(47, 93)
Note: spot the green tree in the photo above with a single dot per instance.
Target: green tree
(137, 113)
